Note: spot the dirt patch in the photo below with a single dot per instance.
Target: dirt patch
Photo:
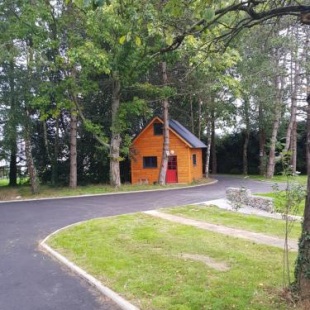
(220, 266)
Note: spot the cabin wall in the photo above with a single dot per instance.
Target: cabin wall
(196, 169)
(149, 144)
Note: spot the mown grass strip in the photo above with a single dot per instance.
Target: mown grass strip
(233, 219)
(24, 192)
(141, 258)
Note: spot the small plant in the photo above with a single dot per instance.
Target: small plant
(293, 195)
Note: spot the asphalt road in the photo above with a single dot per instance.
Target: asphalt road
(31, 280)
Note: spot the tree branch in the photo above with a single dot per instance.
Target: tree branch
(253, 18)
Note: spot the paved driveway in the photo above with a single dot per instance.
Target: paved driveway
(31, 280)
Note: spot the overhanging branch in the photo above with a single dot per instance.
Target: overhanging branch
(253, 18)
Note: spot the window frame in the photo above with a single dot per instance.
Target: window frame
(158, 129)
(150, 162)
(194, 159)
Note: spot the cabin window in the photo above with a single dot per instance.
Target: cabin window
(158, 129)
(194, 160)
(150, 162)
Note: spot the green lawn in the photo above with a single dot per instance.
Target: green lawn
(145, 260)
(279, 197)
(4, 182)
(280, 202)
(23, 191)
(280, 178)
(233, 219)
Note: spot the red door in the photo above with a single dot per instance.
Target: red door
(172, 171)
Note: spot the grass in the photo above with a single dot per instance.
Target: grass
(279, 200)
(280, 178)
(279, 197)
(140, 257)
(215, 215)
(23, 191)
(4, 182)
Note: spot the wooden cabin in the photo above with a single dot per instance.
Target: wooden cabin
(185, 163)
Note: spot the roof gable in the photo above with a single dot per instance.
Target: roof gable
(179, 130)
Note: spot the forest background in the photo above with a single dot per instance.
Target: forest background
(79, 79)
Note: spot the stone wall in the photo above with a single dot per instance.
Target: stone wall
(242, 196)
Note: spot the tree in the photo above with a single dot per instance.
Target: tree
(166, 150)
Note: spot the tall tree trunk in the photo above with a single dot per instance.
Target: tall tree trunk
(276, 122)
(295, 84)
(302, 269)
(246, 138)
(54, 177)
(115, 179)
(262, 141)
(213, 148)
(291, 132)
(13, 133)
(73, 149)
(13, 167)
(245, 152)
(294, 148)
(165, 153)
(34, 184)
(200, 117)
(192, 113)
(208, 151)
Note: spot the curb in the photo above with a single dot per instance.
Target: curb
(120, 301)
(105, 194)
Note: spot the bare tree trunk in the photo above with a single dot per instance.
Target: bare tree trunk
(200, 118)
(245, 152)
(54, 178)
(247, 137)
(115, 179)
(208, 151)
(291, 133)
(275, 127)
(34, 184)
(73, 149)
(13, 129)
(27, 130)
(294, 148)
(289, 130)
(13, 167)
(213, 148)
(165, 153)
(303, 260)
(262, 141)
(192, 113)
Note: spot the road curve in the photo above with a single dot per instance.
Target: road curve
(31, 280)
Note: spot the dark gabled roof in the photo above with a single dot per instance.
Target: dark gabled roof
(180, 130)
(186, 134)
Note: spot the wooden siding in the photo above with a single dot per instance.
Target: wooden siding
(196, 170)
(148, 144)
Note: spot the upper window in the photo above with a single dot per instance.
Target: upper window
(150, 162)
(194, 160)
(158, 129)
